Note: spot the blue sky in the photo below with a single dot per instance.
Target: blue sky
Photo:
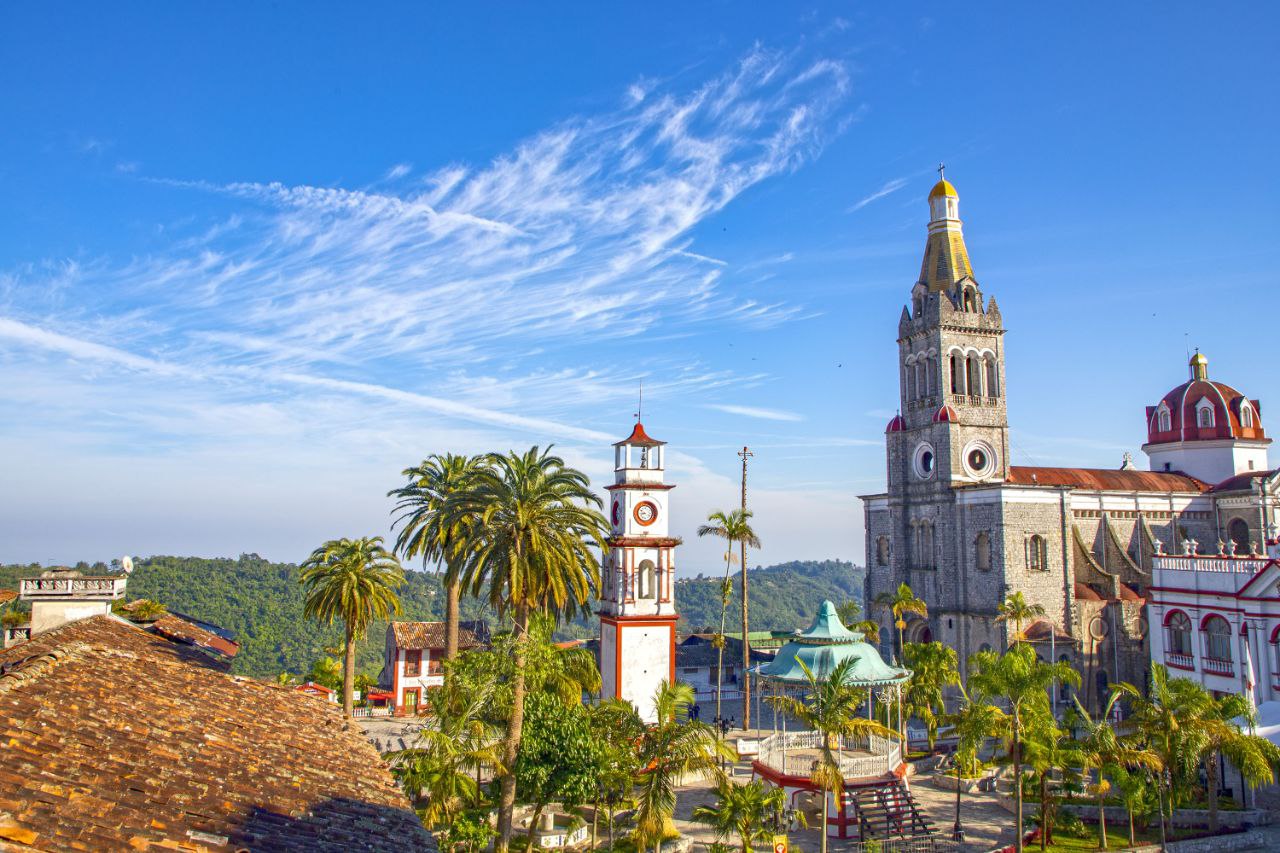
(256, 259)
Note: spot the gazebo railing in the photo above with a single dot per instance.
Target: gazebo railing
(885, 754)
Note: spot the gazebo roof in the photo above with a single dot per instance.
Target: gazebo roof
(822, 647)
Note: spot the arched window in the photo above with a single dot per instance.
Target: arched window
(1162, 417)
(882, 551)
(1217, 638)
(1246, 415)
(968, 299)
(1204, 417)
(974, 383)
(1178, 633)
(982, 551)
(917, 306)
(993, 387)
(957, 373)
(923, 556)
(931, 372)
(645, 579)
(1037, 558)
(921, 379)
(1238, 530)
(911, 381)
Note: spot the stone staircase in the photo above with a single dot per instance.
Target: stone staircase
(890, 812)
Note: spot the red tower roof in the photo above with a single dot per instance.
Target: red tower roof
(639, 438)
(946, 415)
(895, 425)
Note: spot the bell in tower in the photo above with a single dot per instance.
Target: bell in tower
(637, 596)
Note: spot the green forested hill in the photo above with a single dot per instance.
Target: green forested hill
(261, 603)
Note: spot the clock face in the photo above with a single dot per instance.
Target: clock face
(617, 513)
(646, 513)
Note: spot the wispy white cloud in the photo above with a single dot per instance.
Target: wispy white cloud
(754, 412)
(399, 170)
(890, 187)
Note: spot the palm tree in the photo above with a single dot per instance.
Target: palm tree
(733, 527)
(1048, 748)
(974, 722)
(354, 580)
(1135, 791)
(1015, 609)
(1101, 748)
(743, 811)
(669, 750)
(900, 603)
(423, 531)
(1220, 735)
(934, 667)
(530, 522)
(1023, 682)
(459, 743)
(619, 729)
(830, 706)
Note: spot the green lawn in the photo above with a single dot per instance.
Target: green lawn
(1117, 838)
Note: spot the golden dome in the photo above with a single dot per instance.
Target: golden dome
(943, 188)
(1199, 366)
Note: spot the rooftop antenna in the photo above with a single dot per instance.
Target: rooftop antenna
(126, 563)
(640, 403)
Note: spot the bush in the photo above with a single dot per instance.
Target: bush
(1070, 824)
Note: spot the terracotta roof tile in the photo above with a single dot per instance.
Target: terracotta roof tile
(430, 635)
(118, 739)
(1105, 479)
(180, 630)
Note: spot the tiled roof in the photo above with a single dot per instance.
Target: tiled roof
(1241, 482)
(118, 739)
(180, 630)
(1105, 479)
(430, 635)
(639, 438)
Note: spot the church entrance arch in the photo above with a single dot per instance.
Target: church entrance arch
(919, 632)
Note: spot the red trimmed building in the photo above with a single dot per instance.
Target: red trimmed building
(413, 659)
(637, 598)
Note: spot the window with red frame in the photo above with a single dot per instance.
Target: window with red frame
(412, 663)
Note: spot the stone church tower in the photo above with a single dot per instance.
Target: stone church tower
(965, 528)
(952, 430)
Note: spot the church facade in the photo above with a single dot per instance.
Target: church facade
(965, 528)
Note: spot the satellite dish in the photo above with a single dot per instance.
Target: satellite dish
(126, 563)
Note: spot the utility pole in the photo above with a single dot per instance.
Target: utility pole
(746, 644)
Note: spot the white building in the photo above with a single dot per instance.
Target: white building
(637, 596)
(413, 659)
(1216, 620)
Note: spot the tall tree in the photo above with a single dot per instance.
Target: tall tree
(902, 602)
(1048, 749)
(354, 580)
(1184, 725)
(1023, 682)
(830, 705)
(531, 523)
(424, 531)
(743, 810)
(446, 753)
(733, 527)
(934, 667)
(618, 727)
(974, 721)
(559, 757)
(1102, 748)
(669, 750)
(1015, 609)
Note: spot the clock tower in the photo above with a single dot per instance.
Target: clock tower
(637, 596)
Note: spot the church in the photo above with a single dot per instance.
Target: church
(965, 528)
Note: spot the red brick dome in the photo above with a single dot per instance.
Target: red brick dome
(896, 425)
(1203, 410)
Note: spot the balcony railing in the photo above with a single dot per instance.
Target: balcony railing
(1209, 563)
(1180, 661)
(1218, 666)
(65, 587)
(372, 712)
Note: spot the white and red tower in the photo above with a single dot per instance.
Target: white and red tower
(637, 597)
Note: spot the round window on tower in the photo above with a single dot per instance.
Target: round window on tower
(979, 460)
(924, 461)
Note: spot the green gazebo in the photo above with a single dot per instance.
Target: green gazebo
(822, 647)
